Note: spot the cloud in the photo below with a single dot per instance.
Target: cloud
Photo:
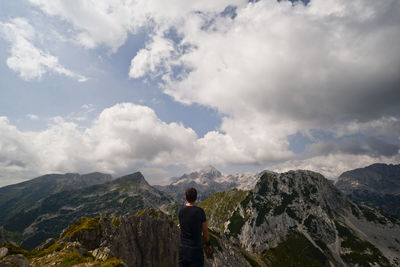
(385, 126)
(26, 59)
(17, 158)
(33, 117)
(128, 137)
(332, 165)
(108, 23)
(296, 62)
(274, 69)
(150, 59)
(124, 138)
(279, 67)
(380, 147)
(372, 146)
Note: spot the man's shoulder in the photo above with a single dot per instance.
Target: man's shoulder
(191, 209)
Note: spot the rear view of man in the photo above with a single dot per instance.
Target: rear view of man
(192, 220)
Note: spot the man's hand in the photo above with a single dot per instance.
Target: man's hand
(209, 250)
(206, 235)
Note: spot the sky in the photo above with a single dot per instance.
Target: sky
(167, 87)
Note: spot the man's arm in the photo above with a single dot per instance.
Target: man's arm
(206, 235)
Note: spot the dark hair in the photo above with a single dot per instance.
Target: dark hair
(191, 195)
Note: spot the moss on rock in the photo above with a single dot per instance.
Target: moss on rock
(83, 224)
(220, 206)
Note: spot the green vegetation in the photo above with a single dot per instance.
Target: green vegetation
(264, 184)
(236, 223)
(13, 249)
(354, 210)
(295, 250)
(214, 240)
(152, 212)
(286, 201)
(262, 210)
(292, 214)
(361, 252)
(111, 262)
(73, 258)
(371, 216)
(51, 249)
(220, 206)
(116, 221)
(250, 260)
(307, 192)
(310, 223)
(83, 224)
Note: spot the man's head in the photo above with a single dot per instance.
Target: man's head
(191, 195)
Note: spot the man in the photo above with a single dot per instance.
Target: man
(192, 220)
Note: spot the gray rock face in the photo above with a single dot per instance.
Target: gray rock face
(280, 202)
(377, 185)
(226, 253)
(18, 260)
(147, 239)
(3, 252)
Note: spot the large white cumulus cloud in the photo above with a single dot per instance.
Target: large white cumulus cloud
(123, 138)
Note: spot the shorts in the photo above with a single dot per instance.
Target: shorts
(191, 257)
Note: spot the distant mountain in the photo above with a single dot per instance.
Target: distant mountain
(207, 182)
(122, 196)
(299, 218)
(377, 185)
(17, 197)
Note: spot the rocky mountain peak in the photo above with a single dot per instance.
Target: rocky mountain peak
(208, 181)
(210, 172)
(310, 187)
(136, 177)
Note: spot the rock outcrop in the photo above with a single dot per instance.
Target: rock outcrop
(149, 238)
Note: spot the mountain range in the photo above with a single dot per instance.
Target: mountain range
(17, 197)
(49, 216)
(296, 218)
(208, 181)
(377, 185)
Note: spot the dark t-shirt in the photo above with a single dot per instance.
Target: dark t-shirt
(190, 219)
